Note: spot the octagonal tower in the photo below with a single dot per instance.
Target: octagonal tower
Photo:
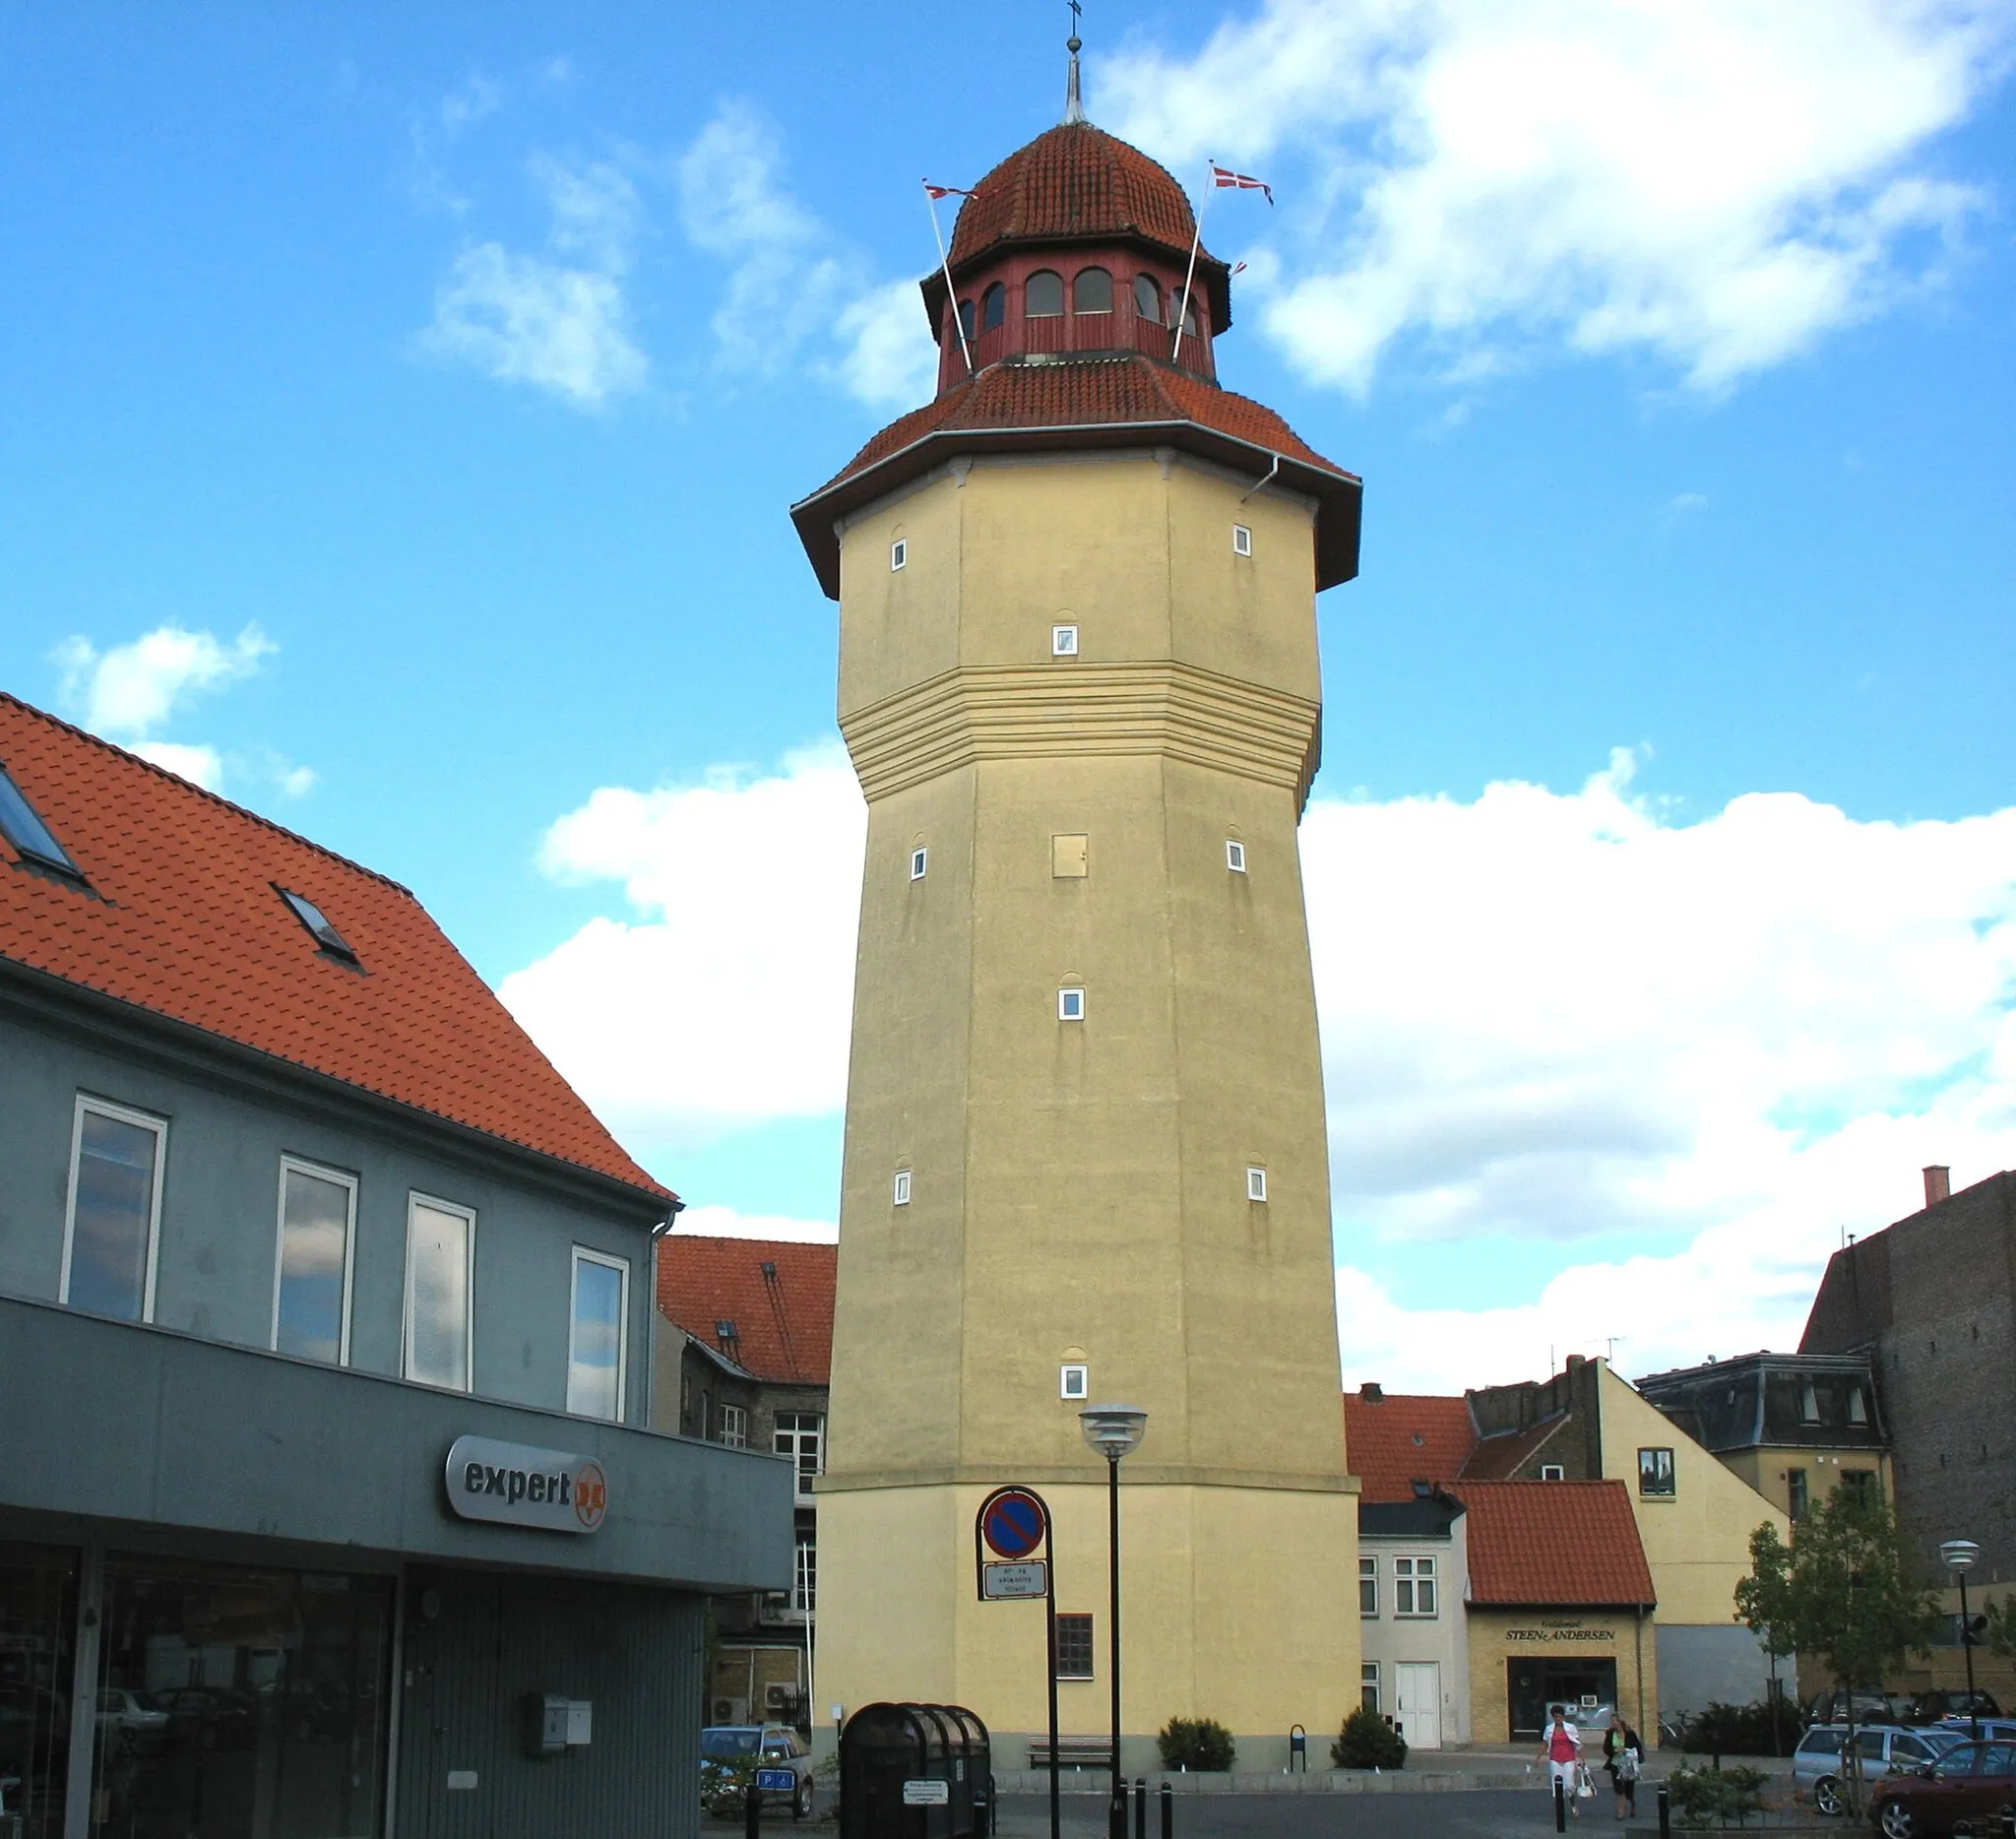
(1085, 1129)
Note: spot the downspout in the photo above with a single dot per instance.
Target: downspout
(1638, 1656)
(1267, 480)
(657, 1233)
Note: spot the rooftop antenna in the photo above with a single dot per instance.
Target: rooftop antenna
(1074, 95)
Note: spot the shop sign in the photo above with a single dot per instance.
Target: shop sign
(1561, 1628)
(515, 1485)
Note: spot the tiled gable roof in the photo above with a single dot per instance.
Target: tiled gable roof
(1397, 1439)
(183, 920)
(1084, 402)
(1570, 1544)
(783, 1315)
(1074, 180)
(1499, 1457)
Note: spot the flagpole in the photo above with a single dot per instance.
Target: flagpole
(945, 264)
(1190, 275)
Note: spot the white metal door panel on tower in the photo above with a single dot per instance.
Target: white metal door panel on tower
(1418, 1702)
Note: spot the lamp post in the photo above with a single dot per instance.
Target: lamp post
(1960, 1555)
(1115, 1430)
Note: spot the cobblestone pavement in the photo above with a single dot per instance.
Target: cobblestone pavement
(1518, 1813)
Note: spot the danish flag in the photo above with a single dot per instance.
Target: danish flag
(946, 191)
(1226, 179)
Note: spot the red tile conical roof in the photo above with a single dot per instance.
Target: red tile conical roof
(1074, 181)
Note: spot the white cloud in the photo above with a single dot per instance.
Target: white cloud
(461, 108)
(728, 1002)
(1553, 1022)
(726, 1223)
(1718, 184)
(192, 761)
(559, 320)
(792, 290)
(132, 689)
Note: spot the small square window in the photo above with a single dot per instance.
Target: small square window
(1655, 1473)
(1553, 1472)
(1256, 1184)
(318, 924)
(1242, 540)
(1063, 641)
(1236, 856)
(1068, 857)
(919, 859)
(1070, 1005)
(900, 1191)
(898, 552)
(1074, 1382)
(1074, 1647)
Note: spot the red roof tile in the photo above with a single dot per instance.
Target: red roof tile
(1554, 1542)
(1025, 404)
(783, 1316)
(187, 926)
(1073, 181)
(1394, 1441)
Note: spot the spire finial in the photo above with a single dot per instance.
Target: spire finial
(1074, 98)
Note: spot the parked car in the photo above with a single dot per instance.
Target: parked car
(1969, 1789)
(784, 1764)
(1936, 1707)
(130, 1721)
(1832, 1708)
(1822, 1758)
(1992, 1730)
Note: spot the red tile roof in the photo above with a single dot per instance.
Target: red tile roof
(186, 924)
(1392, 1442)
(783, 1316)
(1073, 181)
(1498, 1458)
(1546, 1544)
(1019, 406)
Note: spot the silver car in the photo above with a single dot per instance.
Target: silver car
(783, 1772)
(1819, 1763)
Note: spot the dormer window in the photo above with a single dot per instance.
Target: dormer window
(1043, 297)
(1091, 292)
(319, 927)
(1147, 299)
(993, 307)
(22, 825)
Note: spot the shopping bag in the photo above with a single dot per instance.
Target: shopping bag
(1585, 1785)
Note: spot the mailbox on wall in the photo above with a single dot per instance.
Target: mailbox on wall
(555, 1725)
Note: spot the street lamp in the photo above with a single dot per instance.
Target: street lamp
(1960, 1555)
(1115, 1430)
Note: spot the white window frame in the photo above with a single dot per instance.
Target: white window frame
(1064, 641)
(1242, 540)
(414, 1200)
(146, 1120)
(1368, 1573)
(1066, 1009)
(1553, 1472)
(899, 1190)
(587, 1254)
(1256, 1184)
(734, 1426)
(797, 1434)
(300, 1164)
(1368, 1674)
(1408, 1587)
(1236, 856)
(1074, 1380)
(920, 861)
(898, 555)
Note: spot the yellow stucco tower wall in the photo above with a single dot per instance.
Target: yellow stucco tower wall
(1078, 1190)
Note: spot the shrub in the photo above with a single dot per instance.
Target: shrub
(1715, 1797)
(1368, 1742)
(723, 1781)
(1741, 1730)
(1195, 1743)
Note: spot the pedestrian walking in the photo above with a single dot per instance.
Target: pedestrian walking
(1624, 1757)
(1561, 1750)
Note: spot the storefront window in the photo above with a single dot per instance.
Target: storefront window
(37, 1611)
(240, 1704)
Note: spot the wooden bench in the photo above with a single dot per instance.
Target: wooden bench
(1073, 1753)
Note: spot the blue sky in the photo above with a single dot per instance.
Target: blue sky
(400, 410)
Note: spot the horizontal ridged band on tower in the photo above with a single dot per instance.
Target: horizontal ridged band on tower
(984, 712)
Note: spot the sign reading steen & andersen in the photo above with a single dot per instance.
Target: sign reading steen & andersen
(515, 1485)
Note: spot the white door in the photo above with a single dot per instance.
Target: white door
(1417, 1703)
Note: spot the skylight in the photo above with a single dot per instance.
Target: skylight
(23, 828)
(317, 922)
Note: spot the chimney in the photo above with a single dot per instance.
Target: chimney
(1372, 1392)
(1938, 1184)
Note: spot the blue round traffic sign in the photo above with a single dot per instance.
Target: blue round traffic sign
(1013, 1523)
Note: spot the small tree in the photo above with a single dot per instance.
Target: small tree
(1195, 1743)
(1368, 1742)
(1842, 1592)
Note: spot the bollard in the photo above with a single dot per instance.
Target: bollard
(2009, 1824)
(1168, 1811)
(1666, 1815)
(1561, 1806)
(752, 1812)
(1141, 1807)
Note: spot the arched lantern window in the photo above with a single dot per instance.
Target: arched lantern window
(1093, 291)
(966, 318)
(993, 306)
(1147, 299)
(1190, 317)
(1044, 294)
